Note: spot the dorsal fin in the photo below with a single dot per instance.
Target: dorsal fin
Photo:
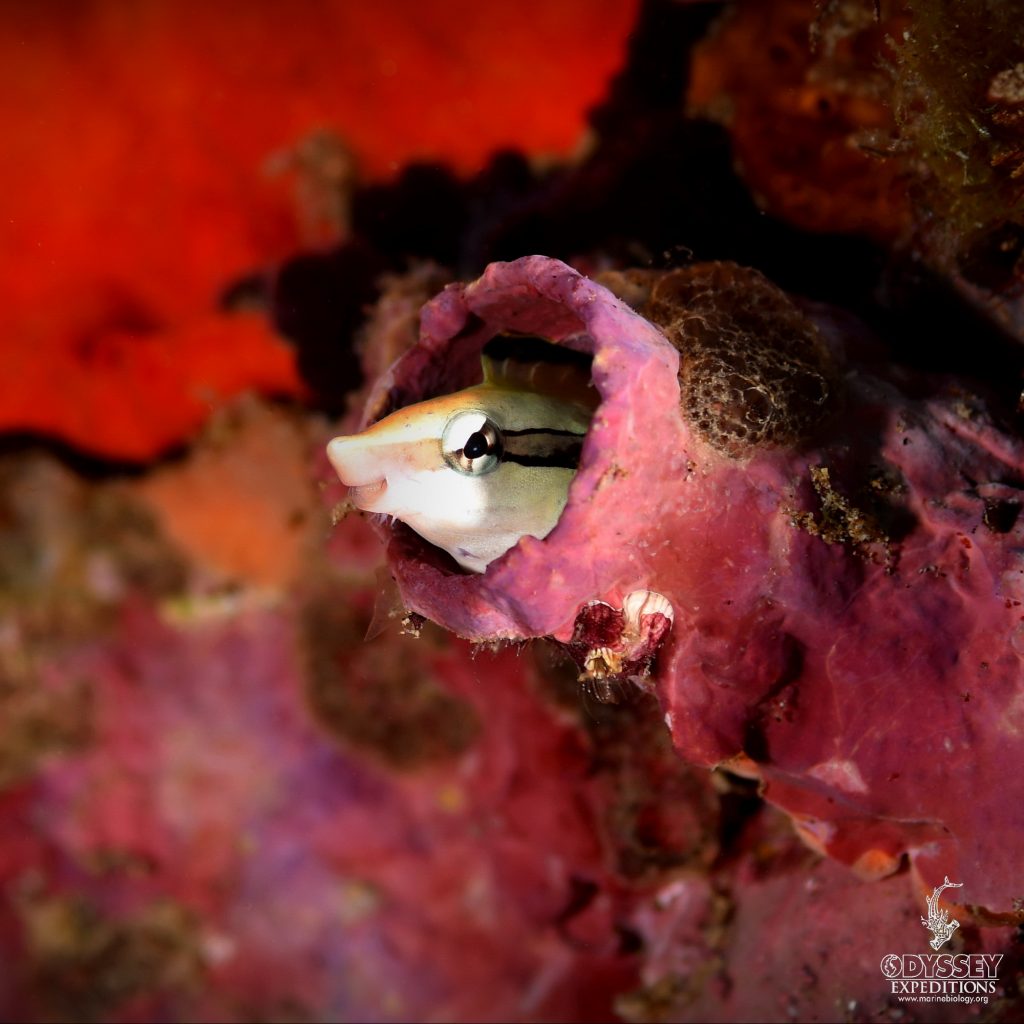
(526, 363)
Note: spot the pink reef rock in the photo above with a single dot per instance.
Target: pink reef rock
(838, 541)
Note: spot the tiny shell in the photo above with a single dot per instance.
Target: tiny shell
(641, 603)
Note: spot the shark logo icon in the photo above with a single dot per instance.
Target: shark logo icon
(938, 921)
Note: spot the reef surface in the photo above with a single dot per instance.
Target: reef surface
(231, 788)
(846, 592)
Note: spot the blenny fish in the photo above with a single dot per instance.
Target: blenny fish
(474, 471)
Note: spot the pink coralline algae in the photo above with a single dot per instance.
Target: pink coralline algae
(838, 540)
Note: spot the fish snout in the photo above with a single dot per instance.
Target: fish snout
(359, 468)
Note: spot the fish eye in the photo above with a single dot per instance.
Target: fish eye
(471, 443)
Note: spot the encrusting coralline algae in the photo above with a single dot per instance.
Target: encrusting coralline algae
(820, 554)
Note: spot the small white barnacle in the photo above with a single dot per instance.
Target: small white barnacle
(602, 662)
(639, 604)
(625, 640)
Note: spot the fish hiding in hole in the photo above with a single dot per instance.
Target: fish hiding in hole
(474, 471)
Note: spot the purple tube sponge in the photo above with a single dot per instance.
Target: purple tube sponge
(818, 557)
(538, 587)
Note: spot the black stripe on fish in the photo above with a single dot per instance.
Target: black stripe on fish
(554, 454)
(542, 430)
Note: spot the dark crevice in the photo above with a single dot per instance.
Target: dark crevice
(656, 189)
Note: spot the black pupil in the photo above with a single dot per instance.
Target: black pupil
(476, 446)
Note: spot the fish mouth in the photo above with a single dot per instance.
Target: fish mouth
(365, 495)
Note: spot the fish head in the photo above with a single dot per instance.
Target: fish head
(471, 472)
